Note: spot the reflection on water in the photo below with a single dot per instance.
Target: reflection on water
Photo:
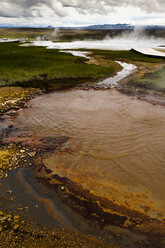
(118, 142)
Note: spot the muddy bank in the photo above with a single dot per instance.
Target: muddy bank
(31, 214)
(118, 224)
(137, 79)
(47, 216)
(147, 83)
(64, 203)
(103, 126)
(106, 214)
(14, 98)
(47, 219)
(46, 209)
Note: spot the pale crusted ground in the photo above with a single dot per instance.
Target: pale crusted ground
(13, 97)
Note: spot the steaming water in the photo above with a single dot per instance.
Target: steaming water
(126, 71)
(118, 43)
(118, 143)
(76, 53)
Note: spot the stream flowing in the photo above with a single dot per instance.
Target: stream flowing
(127, 70)
(118, 144)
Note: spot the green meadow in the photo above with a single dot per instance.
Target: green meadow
(40, 67)
(155, 81)
(126, 56)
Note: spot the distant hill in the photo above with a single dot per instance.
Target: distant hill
(113, 27)
(118, 26)
(103, 27)
(154, 27)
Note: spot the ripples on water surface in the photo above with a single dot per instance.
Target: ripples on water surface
(119, 142)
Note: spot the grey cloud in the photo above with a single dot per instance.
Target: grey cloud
(36, 8)
(8, 9)
(30, 8)
(106, 5)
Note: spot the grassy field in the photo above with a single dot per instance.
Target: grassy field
(61, 35)
(49, 69)
(31, 33)
(126, 56)
(71, 34)
(150, 81)
(39, 67)
(154, 81)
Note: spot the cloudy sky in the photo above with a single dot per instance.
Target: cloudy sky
(81, 12)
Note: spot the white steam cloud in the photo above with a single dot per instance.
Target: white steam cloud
(126, 41)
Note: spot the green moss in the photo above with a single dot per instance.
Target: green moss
(126, 56)
(28, 66)
(153, 80)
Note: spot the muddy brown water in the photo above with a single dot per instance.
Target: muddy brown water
(118, 144)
